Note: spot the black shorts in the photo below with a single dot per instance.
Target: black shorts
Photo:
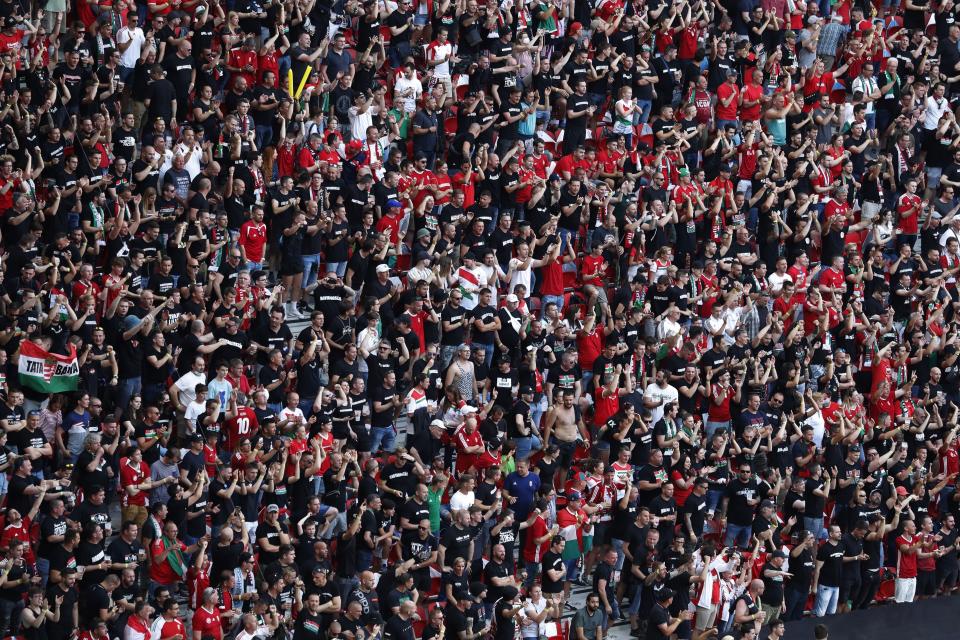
(567, 449)
(926, 583)
(849, 588)
(947, 575)
(601, 534)
(291, 266)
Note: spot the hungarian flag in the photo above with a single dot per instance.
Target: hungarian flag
(48, 372)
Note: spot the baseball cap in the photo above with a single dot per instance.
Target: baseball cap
(780, 554)
(768, 504)
(423, 233)
(438, 423)
(394, 203)
(573, 495)
(512, 298)
(665, 595)
(901, 491)
(383, 268)
(273, 508)
(526, 389)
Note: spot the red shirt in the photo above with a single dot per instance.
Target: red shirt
(197, 582)
(161, 571)
(589, 345)
(129, 476)
(907, 562)
(463, 439)
(591, 266)
(533, 552)
(552, 284)
(391, 223)
(605, 406)
(20, 532)
(208, 623)
(239, 58)
(831, 278)
(721, 412)
(306, 158)
(468, 187)
(689, 40)
(751, 92)
(243, 425)
(569, 164)
(724, 91)
(819, 85)
(909, 224)
(253, 238)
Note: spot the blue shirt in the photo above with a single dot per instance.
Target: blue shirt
(524, 489)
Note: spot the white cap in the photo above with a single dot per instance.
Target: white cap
(383, 268)
(512, 298)
(467, 410)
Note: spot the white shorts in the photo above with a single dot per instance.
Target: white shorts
(904, 589)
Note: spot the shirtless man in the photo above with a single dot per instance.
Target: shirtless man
(566, 429)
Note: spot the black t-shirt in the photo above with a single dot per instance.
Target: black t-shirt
(658, 616)
(738, 511)
(384, 417)
(161, 94)
(577, 103)
(456, 542)
(551, 562)
(832, 557)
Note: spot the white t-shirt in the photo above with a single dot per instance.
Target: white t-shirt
(775, 280)
(439, 52)
(294, 415)
(668, 394)
(460, 501)
(187, 385)
(409, 102)
(934, 111)
(192, 157)
(137, 39)
(360, 122)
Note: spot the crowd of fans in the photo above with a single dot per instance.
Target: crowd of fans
(401, 319)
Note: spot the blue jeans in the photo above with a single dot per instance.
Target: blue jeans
(826, 604)
(815, 526)
(309, 273)
(339, 268)
(399, 49)
(796, 601)
(723, 124)
(10, 611)
(364, 559)
(447, 352)
(43, 568)
(525, 446)
(306, 406)
(617, 545)
(264, 135)
(127, 388)
(533, 570)
(738, 535)
(254, 266)
(646, 106)
(488, 351)
(712, 427)
(545, 300)
(383, 436)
